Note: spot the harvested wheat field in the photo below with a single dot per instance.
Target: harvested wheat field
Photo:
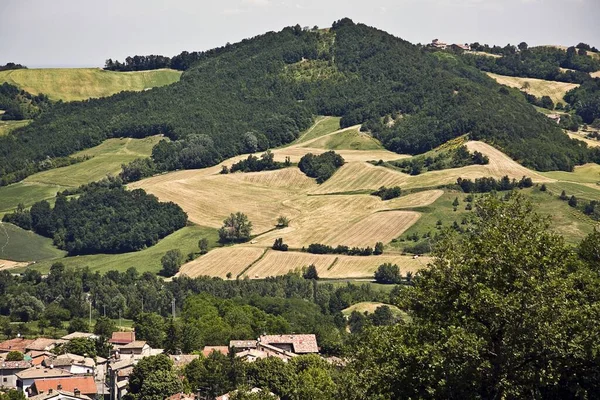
(7, 264)
(331, 266)
(365, 267)
(341, 220)
(579, 136)
(209, 199)
(364, 176)
(281, 262)
(221, 261)
(537, 87)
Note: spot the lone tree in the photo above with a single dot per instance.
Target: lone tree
(171, 262)
(388, 273)
(203, 245)
(236, 228)
(573, 201)
(378, 248)
(279, 245)
(311, 272)
(282, 222)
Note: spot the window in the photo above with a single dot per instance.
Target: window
(5, 380)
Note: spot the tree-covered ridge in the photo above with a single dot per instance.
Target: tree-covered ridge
(247, 90)
(102, 220)
(19, 104)
(539, 62)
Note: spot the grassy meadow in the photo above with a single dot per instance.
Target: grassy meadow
(7, 126)
(20, 245)
(147, 260)
(537, 87)
(72, 84)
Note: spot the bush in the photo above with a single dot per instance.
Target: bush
(279, 245)
(321, 167)
(388, 273)
(387, 193)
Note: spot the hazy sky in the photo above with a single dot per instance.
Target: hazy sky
(44, 33)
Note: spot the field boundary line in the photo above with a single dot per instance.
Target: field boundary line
(252, 264)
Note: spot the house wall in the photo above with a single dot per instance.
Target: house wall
(8, 378)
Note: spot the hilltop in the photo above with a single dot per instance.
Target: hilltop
(260, 93)
(72, 84)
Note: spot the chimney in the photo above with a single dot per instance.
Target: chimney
(50, 390)
(59, 387)
(77, 392)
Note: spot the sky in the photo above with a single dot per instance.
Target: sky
(84, 33)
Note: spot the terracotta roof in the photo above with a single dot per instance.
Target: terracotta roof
(37, 353)
(15, 364)
(17, 344)
(243, 344)
(79, 335)
(85, 384)
(219, 349)
(183, 359)
(122, 337)
(43, 344)
(63, 394)
(136, 344)
(300, 343)
(39, 372)
(125, 371)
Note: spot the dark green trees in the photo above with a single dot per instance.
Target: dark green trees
(279, 245)
(171, 262)
(503, 312)
(236, 228)
(153, 378)
(387, 193)
(388, 273)
(311, 272)
(321, 167)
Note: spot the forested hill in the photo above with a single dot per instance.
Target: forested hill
(263, 91)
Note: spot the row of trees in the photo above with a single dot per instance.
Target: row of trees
(386, 193)
(489, 184)
(318, 248)
(102, 220)
(266, 162)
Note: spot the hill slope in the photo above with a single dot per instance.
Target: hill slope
(69, 84)
(262, 92)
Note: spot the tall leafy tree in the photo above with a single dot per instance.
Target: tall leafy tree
(505, 311)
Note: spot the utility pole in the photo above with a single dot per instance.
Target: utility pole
(173, 307)
(104, 306)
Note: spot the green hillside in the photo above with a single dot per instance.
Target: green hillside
(246, 97)
(70, 84)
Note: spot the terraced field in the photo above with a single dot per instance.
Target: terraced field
(537, 87)
(71, 84)
(330, 266)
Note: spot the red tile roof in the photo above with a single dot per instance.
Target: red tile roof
(300, 343)
(15, 364)
(17, 344)
(219, 349)
(122, 337)
(85, 384)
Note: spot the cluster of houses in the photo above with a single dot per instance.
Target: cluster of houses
(44, 375)
(443, 46)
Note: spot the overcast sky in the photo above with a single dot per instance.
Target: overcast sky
(69, 33)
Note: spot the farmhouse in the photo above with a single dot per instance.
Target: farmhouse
(459, 47)
(137, 347)
(438, 45)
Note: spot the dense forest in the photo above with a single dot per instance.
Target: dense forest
(251, 93)
(480, 324)
(102, 220)
(19, 104)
